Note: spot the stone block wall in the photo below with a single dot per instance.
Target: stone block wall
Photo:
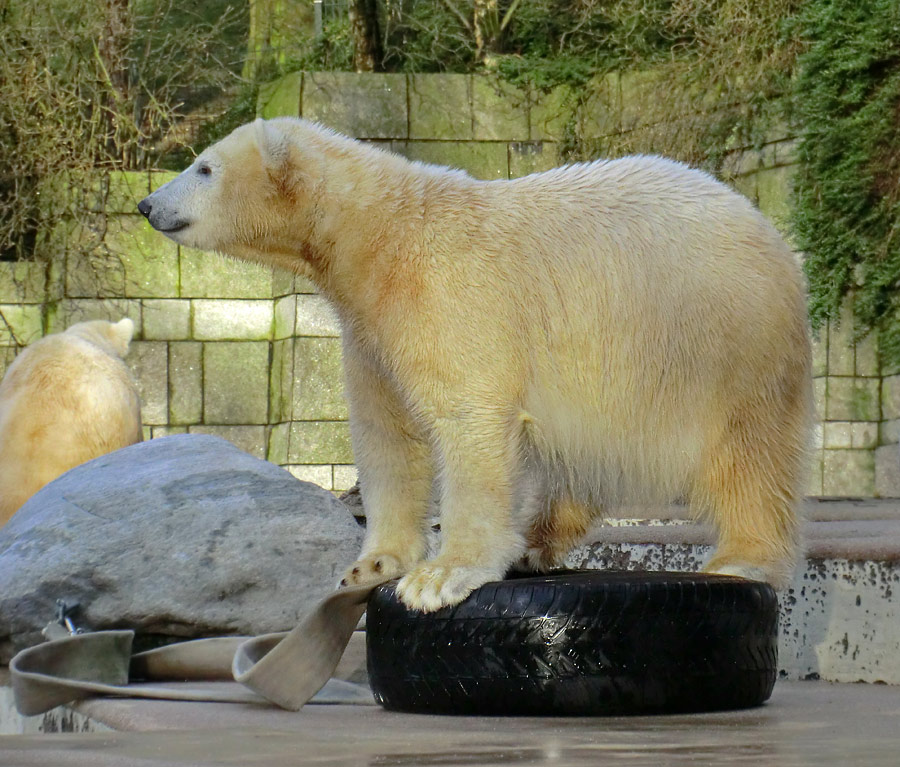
(221, 347)
(254, 356)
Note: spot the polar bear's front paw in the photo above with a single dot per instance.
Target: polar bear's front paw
(374, 568)
(431, 586)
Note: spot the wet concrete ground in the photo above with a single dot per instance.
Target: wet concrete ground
(813, 724)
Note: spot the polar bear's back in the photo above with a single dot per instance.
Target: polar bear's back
(63, 401)
(659, 303)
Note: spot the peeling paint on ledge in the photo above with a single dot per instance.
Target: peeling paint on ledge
(839, 621)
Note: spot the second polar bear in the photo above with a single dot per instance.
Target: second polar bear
(65, 399)
(541, 349)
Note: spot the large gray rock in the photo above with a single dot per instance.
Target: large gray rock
(181, 536)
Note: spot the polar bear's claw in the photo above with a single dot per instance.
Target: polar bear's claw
(372, 569)
(431, 586)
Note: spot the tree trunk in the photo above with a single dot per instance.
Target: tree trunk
(486, 18)
(367, 54)
(112, 47)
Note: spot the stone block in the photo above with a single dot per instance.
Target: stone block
(818, 436)
(318, 391)
(7, 356)
(551, 115)
(283, 283)
(890, 397)
(20, 324)
(235, 382)
(149, 363)
(836, 434)
(359, 105)
(786, 150)
(867, 362)
(773, 189)
(887, 471)
(166, 319)
(853, 399)
(125, 189)
(160, 177)
(820, 388)
(814, 481)
(745, 185)
(64, 313)
(280, 98)
(133, 260)
(742, 162)
(56, 278)
(320, 442)
(526, 157)
(277, 450)
(638, 92)
(232, 320)
(281, 380)
(303, 285)
(482, 159)
(500, 110)
(250, 439)
(92, 270)
(185, 382)
(848, 473)
(166, 431)
(285, 316)
(841, 353)
(820, 354)
(149, 260)
(23, 282)
(318, 475)
(863, 435)
(316, 317)
(889, 432)
(601, 113)
(440, 107)
(344, 477)
(210, 275)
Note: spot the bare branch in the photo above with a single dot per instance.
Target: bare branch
(507, 17)
(459, 14)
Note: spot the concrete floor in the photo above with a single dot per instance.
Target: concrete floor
(805, 723)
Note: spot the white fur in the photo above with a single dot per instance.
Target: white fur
(66, 399)
(542, 349)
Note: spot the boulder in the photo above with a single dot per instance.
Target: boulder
(181, 536)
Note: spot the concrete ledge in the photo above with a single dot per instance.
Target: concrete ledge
(804, 723)
(852, 529)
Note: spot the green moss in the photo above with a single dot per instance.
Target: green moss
(846, 202)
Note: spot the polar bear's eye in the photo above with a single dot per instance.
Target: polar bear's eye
(204, 170)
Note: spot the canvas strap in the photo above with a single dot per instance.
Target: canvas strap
(286, 669)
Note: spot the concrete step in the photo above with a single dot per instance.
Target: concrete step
(840, 618)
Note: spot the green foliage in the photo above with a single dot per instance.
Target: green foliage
(91, 85)
(424, 37)
(847, 194)
(332, 50)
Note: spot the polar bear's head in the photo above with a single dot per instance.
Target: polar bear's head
(112, 336)
(250, 195)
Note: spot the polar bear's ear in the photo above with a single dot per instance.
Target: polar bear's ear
(125, 329)
(273, 144)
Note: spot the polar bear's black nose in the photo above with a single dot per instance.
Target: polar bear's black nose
(145, 207)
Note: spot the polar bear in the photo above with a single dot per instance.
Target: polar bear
(540, 349)
(65, 399)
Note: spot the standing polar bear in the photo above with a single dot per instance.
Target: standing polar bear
(542, 348)
(66, 399)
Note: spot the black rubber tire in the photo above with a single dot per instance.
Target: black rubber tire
(579, 643)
